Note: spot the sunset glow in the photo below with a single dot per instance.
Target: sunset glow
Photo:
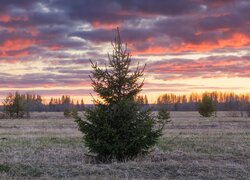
(188, 45)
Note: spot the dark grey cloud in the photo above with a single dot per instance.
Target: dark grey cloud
(111, 11)
(44, 80)
(10, 4)
(182, 21)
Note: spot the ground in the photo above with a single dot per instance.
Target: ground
(192, 147)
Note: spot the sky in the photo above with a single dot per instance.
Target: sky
(188, 45)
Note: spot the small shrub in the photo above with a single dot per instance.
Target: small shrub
(3, 116)
(206, 106)
(70, 112)
(248, 111)
(163, 116)
(67, 113)
(74, 112)
(4, 168)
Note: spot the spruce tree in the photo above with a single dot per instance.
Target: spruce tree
(206, 106)
(117, 127)
(163, 116)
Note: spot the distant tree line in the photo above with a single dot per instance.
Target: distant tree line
(223, 101)
(65, 102)
(18, 105)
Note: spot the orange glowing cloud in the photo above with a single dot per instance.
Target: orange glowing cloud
(155, 50)
(55, 47)
(33, 31)
(16, 44)
(5, 18)
(18, 54)
(98, 24)
(205, 68)
(237, 40)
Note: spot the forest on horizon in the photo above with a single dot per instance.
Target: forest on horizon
(223, 101)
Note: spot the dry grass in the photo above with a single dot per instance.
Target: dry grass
(50, 146)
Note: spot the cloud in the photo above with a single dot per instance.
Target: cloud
(145, 25)
(210, 67)
(53, 40)
(67, 79)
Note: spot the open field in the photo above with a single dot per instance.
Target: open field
(50, 146)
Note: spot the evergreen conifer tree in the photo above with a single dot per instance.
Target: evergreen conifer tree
(118, 127)
(206, 106)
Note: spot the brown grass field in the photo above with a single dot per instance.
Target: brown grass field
(49, 146)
